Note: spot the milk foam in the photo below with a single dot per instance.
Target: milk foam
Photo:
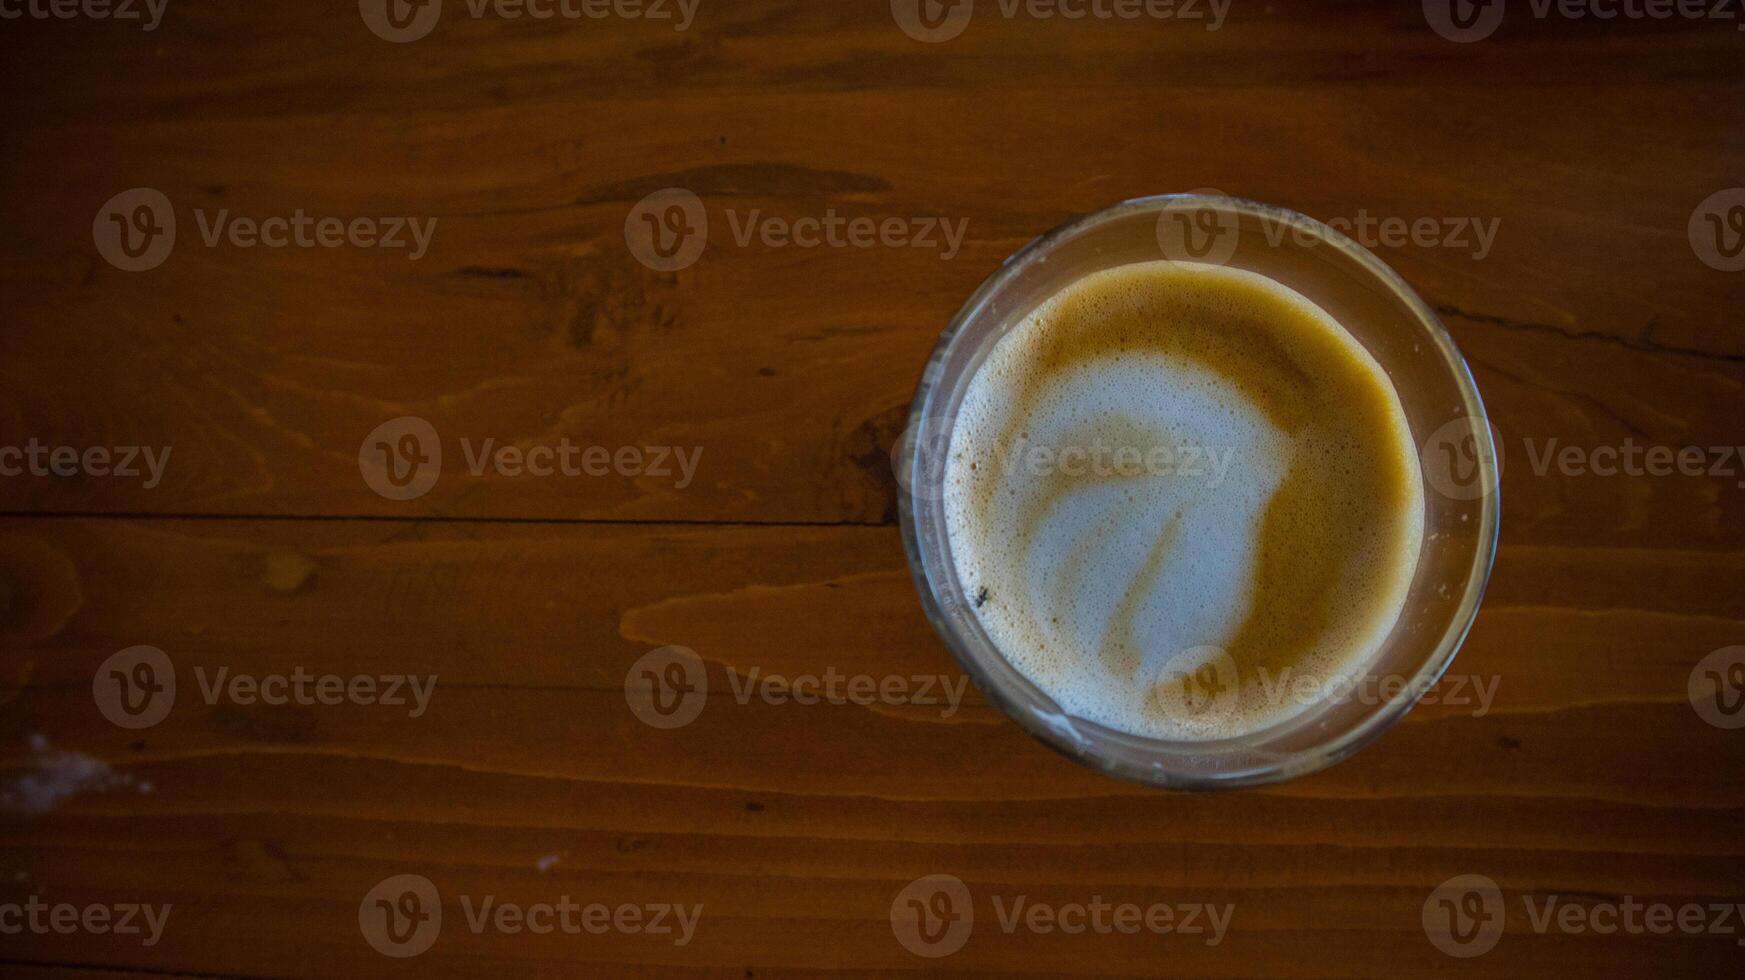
(1129, 473)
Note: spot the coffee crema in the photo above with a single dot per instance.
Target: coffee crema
(1172, 485)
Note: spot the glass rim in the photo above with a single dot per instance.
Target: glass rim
(1065, 736)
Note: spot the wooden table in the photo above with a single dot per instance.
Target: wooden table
(529, 320)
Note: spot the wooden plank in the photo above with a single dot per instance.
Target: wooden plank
(800, 822)
(789, 369)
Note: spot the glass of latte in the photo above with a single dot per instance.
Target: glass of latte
(1199, 492)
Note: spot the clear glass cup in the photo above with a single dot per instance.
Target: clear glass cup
(1460, 468)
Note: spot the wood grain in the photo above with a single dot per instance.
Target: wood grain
(1589, 322)
(529, 321)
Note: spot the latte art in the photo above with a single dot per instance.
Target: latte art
(1174, 481)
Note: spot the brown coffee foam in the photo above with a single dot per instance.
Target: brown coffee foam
(1338, 538)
